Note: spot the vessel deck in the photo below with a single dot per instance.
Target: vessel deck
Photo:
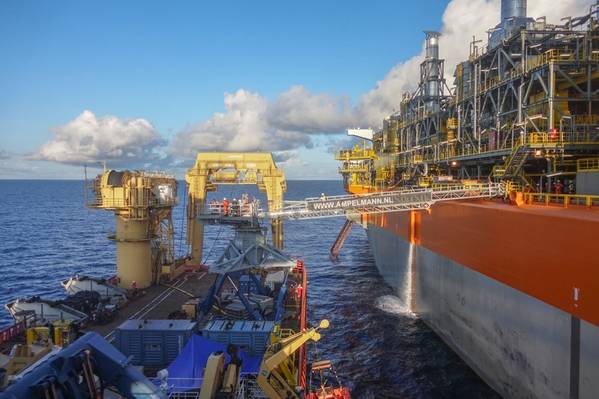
(158, 301)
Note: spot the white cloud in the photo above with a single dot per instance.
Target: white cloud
(284, 156)
(301, 111)
(251, 123)
(89, 138)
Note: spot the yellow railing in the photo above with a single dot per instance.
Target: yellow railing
(585, 119)
(587, 165)
(552, 55)
(356, 154)
(354, 169)
(547, 139)
(451, 151)
(561, 199)
(560, 138)
(511, 186)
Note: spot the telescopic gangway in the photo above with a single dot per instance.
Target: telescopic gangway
(383, 202)
(349, 206)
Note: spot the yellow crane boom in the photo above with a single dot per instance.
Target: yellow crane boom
(270, 379)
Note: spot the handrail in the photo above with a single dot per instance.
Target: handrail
(356, 154)
(114, 203)
(559, 138)
(561, 199)
(12, 331)
(587, 165)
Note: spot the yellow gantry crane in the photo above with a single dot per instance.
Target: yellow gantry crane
(142, 203)
(214, 168)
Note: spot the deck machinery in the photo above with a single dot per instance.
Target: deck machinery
(142, 203)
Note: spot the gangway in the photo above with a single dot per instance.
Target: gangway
(348, 206)
(383, 202)
(354, 204)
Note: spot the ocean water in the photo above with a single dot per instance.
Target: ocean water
(380, 349)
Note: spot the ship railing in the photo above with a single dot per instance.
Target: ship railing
(354, 169)
(238, 208)
(248, 388)
(180, 388)
(445, 192)
(10, 332)
(449, 150)
(356, 154)
(561, 138)
(183, 395)
(119, 203)
(587, 165)
(452, 151)
(564, 200)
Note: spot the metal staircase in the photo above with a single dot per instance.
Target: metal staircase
(513, 165)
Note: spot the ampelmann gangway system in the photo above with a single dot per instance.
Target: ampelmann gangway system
(383, 202)
(350, 206)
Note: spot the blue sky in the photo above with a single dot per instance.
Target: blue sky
(170, 63)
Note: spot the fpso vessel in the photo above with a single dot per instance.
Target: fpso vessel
(511, 285)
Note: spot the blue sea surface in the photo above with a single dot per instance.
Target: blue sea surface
(380, 350)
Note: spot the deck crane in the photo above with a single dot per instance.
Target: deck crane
(142, 203)
(270, 377)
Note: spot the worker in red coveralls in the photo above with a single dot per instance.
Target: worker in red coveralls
(225, 207)
(298, 292)
(558, 187)
(134, 287)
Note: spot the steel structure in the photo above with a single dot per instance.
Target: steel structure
(218, 168)
(534, 86)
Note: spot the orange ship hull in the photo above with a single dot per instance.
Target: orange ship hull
(514, 290)
(545, 252)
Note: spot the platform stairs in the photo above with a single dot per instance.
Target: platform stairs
(512, 167)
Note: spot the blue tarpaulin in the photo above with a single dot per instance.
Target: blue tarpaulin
(185, 372)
